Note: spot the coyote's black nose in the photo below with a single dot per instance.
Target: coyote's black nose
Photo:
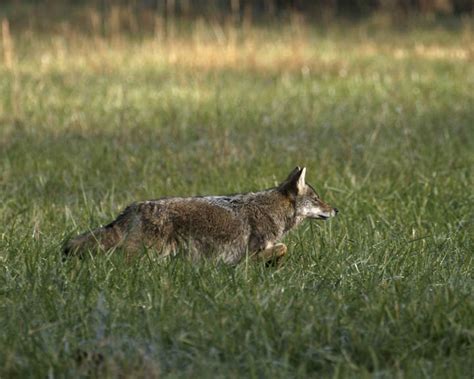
(336, 210)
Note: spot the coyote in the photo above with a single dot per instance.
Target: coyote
(226, 228)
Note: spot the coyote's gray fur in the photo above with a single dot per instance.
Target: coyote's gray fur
(220, 227)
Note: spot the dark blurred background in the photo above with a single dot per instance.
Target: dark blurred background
(270, 8)
(140, 15)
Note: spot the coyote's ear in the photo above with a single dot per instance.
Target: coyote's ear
(295, 182)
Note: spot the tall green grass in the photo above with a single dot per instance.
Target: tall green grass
(384, 124)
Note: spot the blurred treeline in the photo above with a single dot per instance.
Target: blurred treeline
(107, 17)
(266, 8)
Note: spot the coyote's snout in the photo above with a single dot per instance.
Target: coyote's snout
(223, 227)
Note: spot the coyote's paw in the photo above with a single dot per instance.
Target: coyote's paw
(272, 256)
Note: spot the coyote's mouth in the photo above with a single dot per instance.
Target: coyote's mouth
(323, 217)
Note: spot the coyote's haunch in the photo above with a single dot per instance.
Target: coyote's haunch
(218, 227)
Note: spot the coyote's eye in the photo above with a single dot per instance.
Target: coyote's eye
(314, 194)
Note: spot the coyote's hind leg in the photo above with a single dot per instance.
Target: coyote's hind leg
(272, 256)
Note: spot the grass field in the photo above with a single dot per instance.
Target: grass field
(382, 118)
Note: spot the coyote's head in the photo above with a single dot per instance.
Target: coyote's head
(308, 204)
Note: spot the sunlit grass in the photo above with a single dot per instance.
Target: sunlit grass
(383, 122)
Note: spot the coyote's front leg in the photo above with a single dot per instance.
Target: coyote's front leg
(271, 255)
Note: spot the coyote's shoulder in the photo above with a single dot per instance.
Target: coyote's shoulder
(222, 227)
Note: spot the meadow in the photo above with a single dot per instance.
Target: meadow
(383, 119)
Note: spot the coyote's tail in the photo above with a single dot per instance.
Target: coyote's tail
(103, 238)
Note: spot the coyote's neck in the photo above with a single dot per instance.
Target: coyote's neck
(279, 208)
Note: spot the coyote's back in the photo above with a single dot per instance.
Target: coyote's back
(223, 227)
